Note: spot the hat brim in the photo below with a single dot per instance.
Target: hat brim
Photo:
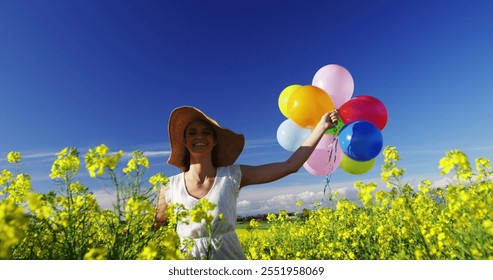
(229, 144)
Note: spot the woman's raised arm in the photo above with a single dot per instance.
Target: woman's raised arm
(273, 171)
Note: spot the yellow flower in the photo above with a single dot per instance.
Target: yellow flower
(12, 222)
(299, 203)
(63, 219)
(158, 180)
(77, 188)
(424, 186)
(112, 160)
(202, 211)
(483, 167)
(271, 217)
(476, 253)
(96, 254)
(386, 175)
(381, 198)
(418, 254)
(67, 163)
(38, 206)
(457, 160)
(253, 224)
(365, 192)
(149, 252)
(136, 207)
(5, 177)
(482, 163)
(138, 160)
(98, 159)
(390, 154)
(172, 245)
(14, 157)
(102, 150)
(488, 225)
(20, 187)
(445, 164)
(391, 174)
(380, 229)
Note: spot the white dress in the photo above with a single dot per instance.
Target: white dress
(224, 193)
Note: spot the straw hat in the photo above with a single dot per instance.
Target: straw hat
(229, 144)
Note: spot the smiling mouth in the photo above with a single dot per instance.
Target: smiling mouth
(199, 144)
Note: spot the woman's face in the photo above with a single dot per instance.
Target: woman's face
(200, 138)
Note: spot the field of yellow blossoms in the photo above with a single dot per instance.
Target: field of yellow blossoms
(401, 222)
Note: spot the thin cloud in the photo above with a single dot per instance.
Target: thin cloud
(260, 143)
(38, 155)
(490, 148)
(51, 156)
(156, 153)
(421, 152)
(468, 149)
(150, 150)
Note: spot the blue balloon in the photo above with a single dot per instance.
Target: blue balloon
(290, 136)
(361, 140)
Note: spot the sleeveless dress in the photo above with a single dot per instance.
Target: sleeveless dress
(224, 193)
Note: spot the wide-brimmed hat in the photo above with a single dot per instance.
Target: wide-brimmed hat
(229, 144)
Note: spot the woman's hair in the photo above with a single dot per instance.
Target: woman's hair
(186, 157)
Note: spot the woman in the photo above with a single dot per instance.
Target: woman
(206, 154)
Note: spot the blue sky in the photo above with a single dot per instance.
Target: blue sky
(83, 73)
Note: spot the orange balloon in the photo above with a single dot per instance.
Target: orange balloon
(307, 105)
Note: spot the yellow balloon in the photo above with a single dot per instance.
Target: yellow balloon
(307, 105)
(284, 97)
(356, 167)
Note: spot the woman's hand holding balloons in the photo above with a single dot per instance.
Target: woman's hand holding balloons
(330, 119)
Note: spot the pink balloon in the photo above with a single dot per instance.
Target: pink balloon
(326, 157)
(336, 81)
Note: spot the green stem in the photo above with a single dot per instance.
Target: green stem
(117, 190)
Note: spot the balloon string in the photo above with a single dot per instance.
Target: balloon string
(327, 185)
(333, 152)
(332, 158)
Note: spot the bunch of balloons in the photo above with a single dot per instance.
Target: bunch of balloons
(354, 143)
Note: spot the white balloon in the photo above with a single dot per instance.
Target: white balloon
(290, 135)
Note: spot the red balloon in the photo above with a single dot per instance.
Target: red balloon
(364, 108)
